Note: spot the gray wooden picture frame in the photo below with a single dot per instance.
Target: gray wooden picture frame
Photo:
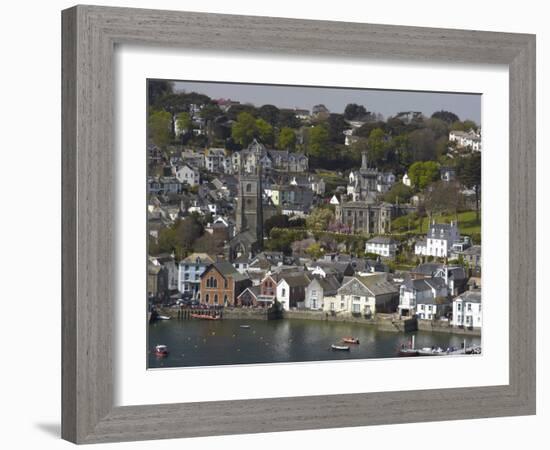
(90, 34)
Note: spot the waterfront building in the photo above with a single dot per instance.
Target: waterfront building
(190, 270)
(318, 289)
(467, 310)
(365, 296)
(220, 284)
(291, 289)
(414, 293)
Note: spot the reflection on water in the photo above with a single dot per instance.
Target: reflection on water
(210, 343)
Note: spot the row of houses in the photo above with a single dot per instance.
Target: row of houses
(336, 287)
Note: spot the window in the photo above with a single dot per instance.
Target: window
(422, 308)
(458, 307)
(207, 298)
(225, 284)
(249, 187)
(283, 292)
(216, 299)
(314, 293)
(469, 306)
(356, 308)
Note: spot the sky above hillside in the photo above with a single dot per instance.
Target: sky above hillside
(386, 102)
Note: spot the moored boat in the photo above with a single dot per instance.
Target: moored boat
(340, 347)
(244, 326)
(163, 317)
(408, 351)
(161, 350)
(350, 340)
(431, 351)
(205, 317)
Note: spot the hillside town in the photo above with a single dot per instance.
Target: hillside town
(342, 216)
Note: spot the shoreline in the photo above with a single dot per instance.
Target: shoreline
(383, 322)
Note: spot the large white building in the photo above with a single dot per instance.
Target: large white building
(383, 246)
(463, 139)
(467, 309)
(439, 240)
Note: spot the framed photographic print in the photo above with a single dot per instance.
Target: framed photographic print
(298, 230)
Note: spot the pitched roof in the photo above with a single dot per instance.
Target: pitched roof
(472, 296)
(300, 280)
(204, 258)
(382, 240)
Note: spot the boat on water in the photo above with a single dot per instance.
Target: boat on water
(431, 351)
(244, 326)
(350, 340)
(205, 317)
(343, 348)
(161, 350)
(408, 350)
(163, 317)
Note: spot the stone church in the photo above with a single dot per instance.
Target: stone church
(251, 211)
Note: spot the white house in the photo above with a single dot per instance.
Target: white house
(467, 309)
(188, 174)
(422, 297)
(463, 139)
(383, 246)
(190, 270)
(215, 159)
(291, 290)
(320, 289)
(439, 240)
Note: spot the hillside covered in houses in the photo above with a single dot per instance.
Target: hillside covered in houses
(349, 213)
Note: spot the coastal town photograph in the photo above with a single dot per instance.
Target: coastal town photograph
(297, 223)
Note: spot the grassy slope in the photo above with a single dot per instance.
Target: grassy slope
(467, 222)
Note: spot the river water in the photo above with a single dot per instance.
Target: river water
(211, 343)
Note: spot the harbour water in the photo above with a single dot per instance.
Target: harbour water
(194, 343)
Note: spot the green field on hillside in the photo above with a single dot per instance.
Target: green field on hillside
(467, 223)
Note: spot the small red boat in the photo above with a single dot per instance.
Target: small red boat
(161, 350)
(350, 340)
(205, 317)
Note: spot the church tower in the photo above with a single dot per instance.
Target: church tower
(249, 216)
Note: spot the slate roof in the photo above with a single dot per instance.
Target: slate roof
(204, 257)
(300, 280)
(382, 240)
(473, 296)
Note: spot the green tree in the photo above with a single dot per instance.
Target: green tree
(398, 193)
(264, 132)
(184, 122)
(315, 251)
(422, 144)
(377, 146)
(336, 126)
(244, 129)
(423, 173)
(446, 116)
(469, 174)
(318, 141)
(269, 113)
(353, 111)
(158, 88)
(160, 128)
(319, 219)
(287, 139)
(276, 221)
